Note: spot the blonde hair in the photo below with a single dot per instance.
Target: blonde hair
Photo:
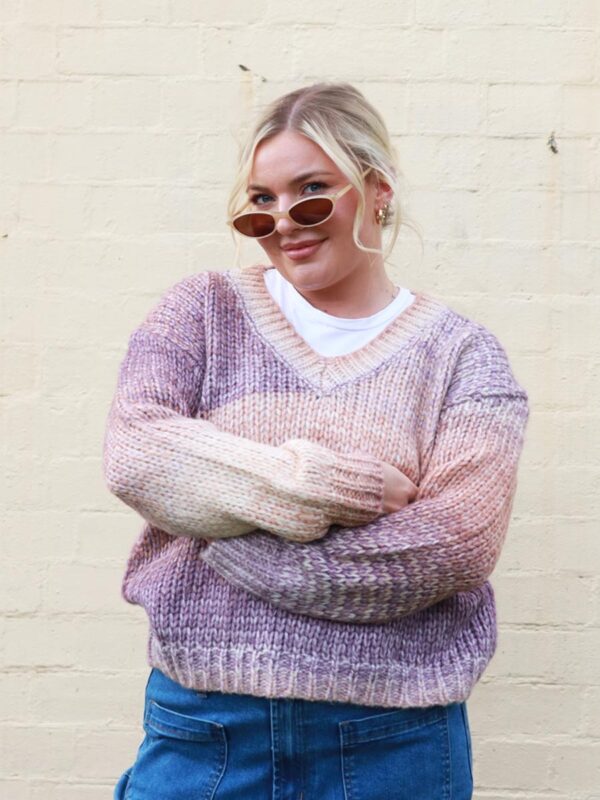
(338, 118)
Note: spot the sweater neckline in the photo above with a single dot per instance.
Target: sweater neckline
(327, 372)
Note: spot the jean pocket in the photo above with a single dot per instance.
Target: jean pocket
(183, 756)
(400, 755)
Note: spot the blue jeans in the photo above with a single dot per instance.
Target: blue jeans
(217, 746)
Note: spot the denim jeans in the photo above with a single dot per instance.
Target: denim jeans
(218, 746)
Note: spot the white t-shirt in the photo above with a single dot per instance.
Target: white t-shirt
(326, 334)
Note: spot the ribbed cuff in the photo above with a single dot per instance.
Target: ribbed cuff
(357, 481)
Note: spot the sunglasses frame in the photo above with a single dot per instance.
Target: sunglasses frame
(277, 215)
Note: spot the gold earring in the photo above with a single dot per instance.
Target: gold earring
(382, 214)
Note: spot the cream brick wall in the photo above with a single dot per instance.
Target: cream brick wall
(117, 141)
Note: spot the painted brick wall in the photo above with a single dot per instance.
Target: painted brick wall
(118, 123)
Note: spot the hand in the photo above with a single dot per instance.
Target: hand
(398, 490)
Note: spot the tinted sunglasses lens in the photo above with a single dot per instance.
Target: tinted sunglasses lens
(311, 212)
(257, 224)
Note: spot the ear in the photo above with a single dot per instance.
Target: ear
(384, 192)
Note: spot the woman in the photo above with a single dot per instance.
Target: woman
(326, 464)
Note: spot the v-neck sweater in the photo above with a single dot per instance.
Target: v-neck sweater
(266, 564)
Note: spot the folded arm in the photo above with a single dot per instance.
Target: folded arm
(447, 541)
(189, 478)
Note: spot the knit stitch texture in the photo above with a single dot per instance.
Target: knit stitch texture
(266, 564)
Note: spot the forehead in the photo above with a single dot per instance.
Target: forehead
(282, 157)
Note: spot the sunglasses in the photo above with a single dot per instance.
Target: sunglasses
(307, 212)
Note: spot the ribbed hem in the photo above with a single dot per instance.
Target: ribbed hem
(246, 670)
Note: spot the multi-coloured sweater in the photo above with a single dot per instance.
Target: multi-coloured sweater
(266, 564)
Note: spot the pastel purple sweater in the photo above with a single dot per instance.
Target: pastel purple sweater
(266, 565)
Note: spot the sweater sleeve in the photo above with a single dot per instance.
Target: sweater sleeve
(447, 541)
(189, 478)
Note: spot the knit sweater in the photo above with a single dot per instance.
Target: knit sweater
(266, 564)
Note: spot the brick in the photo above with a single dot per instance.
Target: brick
(59, 789)
(519, 54)
(54, 748)
(8, 102)
(9, 222)
(134, 10)
(531, 710)
(214, 12)
(21, 589)
(563, 543)
(124, 156)
(561, 383)
(415, 54)
(69, 12)
(75, 477)
(518, 108)
(446, 13)
(53, 105)
(527, 215)
(202, 105)
(107, 537)
(24, 156)
(146, 210)
(561, 490)
(582, 13)
(58, 643)
(514, 266)
(578, 441)
(62, 362)
(551, 600)
(82, 588)
(512, 765)
(516, 163)
(394, 98)
(48, 534)
(76, 265)
(27, 52)
(446, 108)
(212, 250)
(384, 12)
(575, 326)
(20, 368)
(128, 51)
(118, 750)
(577, 758)
(534, 12)
(581, 109)
(16, 698)
(125, 102)
(252, 47)
(580, 213)
(446, 215)
(11, 11)
(53, 209)
(511, 316)
(579, 165)
(16, 789)
(550, 656)
(310, 12)
(458, 164)
(94, 700)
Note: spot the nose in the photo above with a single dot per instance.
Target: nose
(285, 225)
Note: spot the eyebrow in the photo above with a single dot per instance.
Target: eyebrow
(299, 179)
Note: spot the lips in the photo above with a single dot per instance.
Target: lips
(300, 250)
